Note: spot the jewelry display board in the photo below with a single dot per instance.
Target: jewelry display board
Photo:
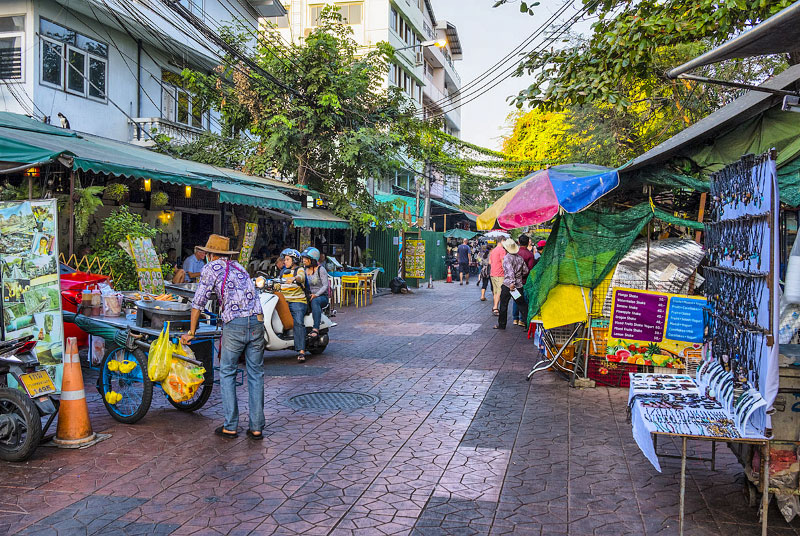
(148, 266)
(741, 243)
(250, 234)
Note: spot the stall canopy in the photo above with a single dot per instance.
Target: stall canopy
(539, 196)
(26, 141)
(460, 234)
(317, 218)
(577, 170)
(583, 248)
(777, 35)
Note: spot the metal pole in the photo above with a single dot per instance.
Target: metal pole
(30, 187)
(647, 266)
(427, 221)
(71, 212)
(683, 487)
(416, 207)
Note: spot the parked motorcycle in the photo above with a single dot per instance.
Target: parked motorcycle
(21, 410)
(276, 336)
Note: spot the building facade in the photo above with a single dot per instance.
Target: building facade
(112, 67)
(427, 74)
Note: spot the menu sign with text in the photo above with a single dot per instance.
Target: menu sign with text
(638, 316)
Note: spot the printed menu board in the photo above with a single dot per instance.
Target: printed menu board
(148, 266)
(250, 233)
(415, 259)
(31, 299)
(655, 328)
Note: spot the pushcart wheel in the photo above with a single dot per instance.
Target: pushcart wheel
(134, 386)
(200, 396)
(751, 494)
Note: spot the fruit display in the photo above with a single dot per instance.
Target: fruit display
(641, 354)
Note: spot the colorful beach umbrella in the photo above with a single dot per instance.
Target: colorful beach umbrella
(537, 198)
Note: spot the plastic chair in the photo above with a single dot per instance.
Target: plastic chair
(374, 274)
(366, 286)
(336, 290)
(351, 284)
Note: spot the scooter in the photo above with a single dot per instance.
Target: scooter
(276, 336)
(22, 409)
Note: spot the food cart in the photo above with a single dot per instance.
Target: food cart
(123, 370)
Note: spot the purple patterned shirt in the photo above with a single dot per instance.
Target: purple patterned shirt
(239, 298)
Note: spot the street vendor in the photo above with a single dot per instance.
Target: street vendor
(242, 333)
(194, 264)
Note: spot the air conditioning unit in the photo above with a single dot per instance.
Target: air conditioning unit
(420, 58)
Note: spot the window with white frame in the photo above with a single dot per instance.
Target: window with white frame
(179, 105)
(352, 14)
(73, 62)
(403, 29)
(12, 40)
(194, 6)
(278, 22)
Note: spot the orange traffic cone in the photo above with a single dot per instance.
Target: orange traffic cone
(74, 427)
(449, 276)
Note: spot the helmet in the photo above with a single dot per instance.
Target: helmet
(289, 252)
(311, 252)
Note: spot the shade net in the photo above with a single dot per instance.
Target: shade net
(584, 247)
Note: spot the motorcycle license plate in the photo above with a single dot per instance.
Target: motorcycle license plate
(37, 383)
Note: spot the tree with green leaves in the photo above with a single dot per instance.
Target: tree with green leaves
(633, 44)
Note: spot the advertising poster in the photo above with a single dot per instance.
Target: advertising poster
(30, 279)
(655, 328)
(415, 259)
(250, 233)
(148, 266)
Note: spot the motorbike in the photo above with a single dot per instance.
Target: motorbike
(276, 336)
(22, 410)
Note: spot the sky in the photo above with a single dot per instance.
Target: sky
(488, 34)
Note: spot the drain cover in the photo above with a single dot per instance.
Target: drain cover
(333, 400)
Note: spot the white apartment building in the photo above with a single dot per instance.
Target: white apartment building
(111, 67)
(427, 74)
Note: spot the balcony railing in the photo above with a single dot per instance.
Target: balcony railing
(144, 128)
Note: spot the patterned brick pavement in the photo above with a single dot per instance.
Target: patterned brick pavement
(458, 443)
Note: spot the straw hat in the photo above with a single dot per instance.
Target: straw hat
(510, 245)
(218, 245)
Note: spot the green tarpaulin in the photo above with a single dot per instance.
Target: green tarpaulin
(403, 203)
(584, 247)
(461, 234)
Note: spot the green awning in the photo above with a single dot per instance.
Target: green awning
(318, 218)
(240, 193)
(460, 234)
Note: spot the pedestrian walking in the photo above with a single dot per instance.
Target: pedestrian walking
(496, 273)
(515, 270)
(242, 333)
(484, 267)
(519, 313)
(463, 253)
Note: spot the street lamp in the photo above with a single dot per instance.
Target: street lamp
(439, 43)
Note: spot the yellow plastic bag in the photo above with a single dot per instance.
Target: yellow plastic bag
(158, 360)
(184, 378)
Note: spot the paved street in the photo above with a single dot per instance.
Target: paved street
(455, 441)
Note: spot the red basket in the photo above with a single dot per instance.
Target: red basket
(612, 374)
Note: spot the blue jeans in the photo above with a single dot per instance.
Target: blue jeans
(243, 335)
(317, 304)
(298, 310)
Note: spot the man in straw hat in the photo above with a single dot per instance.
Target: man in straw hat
(515, 271)
(242, 333)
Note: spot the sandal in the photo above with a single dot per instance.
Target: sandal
(221, 432)
(314, 333)
(483, 299)
(497, 326)
(496, 312)
(255, 436)
(301, 358)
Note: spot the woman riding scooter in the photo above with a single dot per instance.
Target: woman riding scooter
(294, 288)
(317, 277)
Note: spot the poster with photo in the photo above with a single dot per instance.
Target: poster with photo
(148, 265)
(250, 233)
(31, 292)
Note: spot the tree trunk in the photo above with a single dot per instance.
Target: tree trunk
(301, 170)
